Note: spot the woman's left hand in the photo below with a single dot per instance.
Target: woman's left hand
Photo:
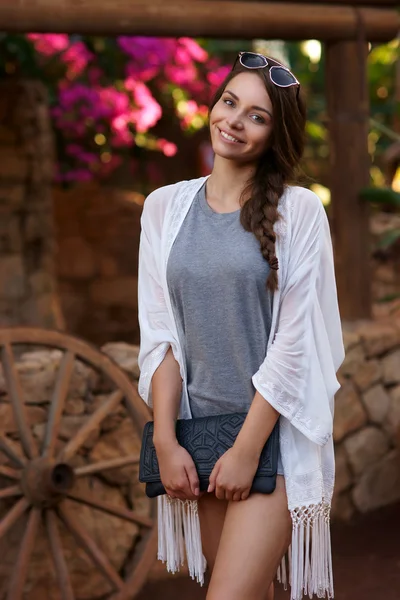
(233, 475)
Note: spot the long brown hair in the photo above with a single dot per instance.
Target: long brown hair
(276, 168)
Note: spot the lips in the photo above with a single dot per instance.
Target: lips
(228, 137)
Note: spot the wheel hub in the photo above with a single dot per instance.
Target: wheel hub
(45, 482)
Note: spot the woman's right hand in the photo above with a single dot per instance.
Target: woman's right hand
(178, 472)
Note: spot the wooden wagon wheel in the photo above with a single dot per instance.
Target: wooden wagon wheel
(43, 481)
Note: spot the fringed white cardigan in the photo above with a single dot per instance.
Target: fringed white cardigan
(297, 377)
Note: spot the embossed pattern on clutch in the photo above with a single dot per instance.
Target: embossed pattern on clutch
(207, 439)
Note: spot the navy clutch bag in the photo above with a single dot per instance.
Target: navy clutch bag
(207, 439)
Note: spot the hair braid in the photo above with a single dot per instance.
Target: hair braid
(260, 213)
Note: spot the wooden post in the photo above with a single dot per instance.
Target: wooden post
(198, 18)
(347, 99)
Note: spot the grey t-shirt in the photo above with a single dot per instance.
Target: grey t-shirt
(217, 281)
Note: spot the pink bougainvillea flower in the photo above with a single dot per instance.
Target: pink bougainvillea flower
(77, 57)
(147, 70)
(168, 148)
(149, 111)
(49, 43)
(182, 74)
(217, 76)
(196, 52)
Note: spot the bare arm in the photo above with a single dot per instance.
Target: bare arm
(257, 427)
(166, 392)
(177, 469)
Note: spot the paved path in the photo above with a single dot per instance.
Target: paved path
(366, 563)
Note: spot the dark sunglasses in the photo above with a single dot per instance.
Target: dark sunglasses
(278, 74)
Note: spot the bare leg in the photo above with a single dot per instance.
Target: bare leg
(212, 516)
(255, 535)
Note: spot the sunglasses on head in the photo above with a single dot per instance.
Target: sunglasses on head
(278, 74)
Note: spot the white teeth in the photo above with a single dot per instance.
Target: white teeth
(228, 137)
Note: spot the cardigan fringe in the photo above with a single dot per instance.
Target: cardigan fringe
(309, 555)
(297, 377)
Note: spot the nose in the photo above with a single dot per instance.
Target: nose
(235, 122)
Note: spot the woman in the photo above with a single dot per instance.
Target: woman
(238, 312)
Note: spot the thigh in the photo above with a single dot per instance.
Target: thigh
(255, 536)
(212, 515)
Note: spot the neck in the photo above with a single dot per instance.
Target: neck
(227, 182)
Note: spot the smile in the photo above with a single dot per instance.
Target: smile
(229, 138)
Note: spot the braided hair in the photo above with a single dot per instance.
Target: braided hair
(276, 168)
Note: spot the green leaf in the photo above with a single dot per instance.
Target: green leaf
(388, 239)
(381, 196)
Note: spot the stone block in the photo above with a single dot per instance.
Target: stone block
(11, 239)
(76, 259)
(74, 406)
(13, 166)
(125, 355)
(342, 507)
(379, 485)
(365, 447)
(350, 414)
(34, 415)
(343, 478)
(37, 372)
(12, 277)
(350, 338)
(391, 367)
(119, 291)
(378, 338)
(353, 361)
(123, 441)
(376, 400)
(12, 195)
(368, 373)
(392, 420)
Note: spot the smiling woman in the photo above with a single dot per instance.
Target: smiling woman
(222, 334)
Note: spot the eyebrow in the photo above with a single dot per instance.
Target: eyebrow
(256, 107)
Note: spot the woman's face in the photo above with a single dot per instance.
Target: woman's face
(241, 121)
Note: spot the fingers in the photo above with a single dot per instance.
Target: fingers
(236, 496)
(245, 495)
(230, 494)
(181, 489)
(193, 479)
(212, 480)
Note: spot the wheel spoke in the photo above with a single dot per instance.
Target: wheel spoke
(11, 491)
(8, 448)
(93, 551)
(123, 513)
(104, 465)
(58, 556)
(91, 424)
(57, 403)
(18, 406)
(13, 515)
(10, 473)
(16, 586)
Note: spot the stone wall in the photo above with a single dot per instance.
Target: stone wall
(27, 278)
(97, 254)
(385, 264)
(367, 418)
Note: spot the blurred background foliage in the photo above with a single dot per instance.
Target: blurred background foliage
(109, 95)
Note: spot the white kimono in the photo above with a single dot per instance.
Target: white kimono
(297, 377)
